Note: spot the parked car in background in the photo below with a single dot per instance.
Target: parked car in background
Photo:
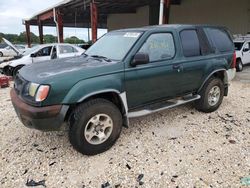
(7, 52)
(242, 48)
(21, 48)
(40, 53)
(126, 74)
(3, 45)
(84, 46)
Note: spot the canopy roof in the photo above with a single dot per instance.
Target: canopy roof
(76, 13)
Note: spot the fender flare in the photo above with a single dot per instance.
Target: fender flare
(122, 97)
(211, 74)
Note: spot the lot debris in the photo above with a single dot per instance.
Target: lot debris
(32, 183)
(139, 179)
(106, 185)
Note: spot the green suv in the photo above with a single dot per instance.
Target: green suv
(125, 74)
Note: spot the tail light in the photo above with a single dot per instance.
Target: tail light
(233, 65)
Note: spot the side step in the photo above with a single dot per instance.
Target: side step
(163, 106)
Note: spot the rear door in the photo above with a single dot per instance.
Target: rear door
(66, 51)
(196, 59)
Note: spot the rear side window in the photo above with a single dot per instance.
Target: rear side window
(220, 39)
(190, 43)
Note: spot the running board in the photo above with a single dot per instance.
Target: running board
(162, 106)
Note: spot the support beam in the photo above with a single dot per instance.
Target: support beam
(27, 26)
(40, 29)
(166, 11)
(94, 20)
(60, 27)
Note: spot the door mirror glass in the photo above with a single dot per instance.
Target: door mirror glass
(32, 55)
(140, 59)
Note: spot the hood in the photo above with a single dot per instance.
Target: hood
(12, 46)
(75, 69)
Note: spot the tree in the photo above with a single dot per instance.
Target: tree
(74, 40)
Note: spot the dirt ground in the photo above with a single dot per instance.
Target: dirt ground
(175, 148)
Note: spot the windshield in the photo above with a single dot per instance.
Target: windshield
(238, 45)
(31, 50)
(114, 45)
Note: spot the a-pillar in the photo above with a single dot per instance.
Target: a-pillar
(94, 20)
(60, 27)
(40, 29)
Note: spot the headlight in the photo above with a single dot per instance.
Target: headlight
(32, 89)
(39, 92)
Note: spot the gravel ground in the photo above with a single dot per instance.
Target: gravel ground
(175, 148)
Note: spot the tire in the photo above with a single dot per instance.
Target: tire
(239, 66)
(84, 123)
(14, 73)
(1, 54)
(211, 102)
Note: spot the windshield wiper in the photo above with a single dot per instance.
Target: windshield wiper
(102, 57)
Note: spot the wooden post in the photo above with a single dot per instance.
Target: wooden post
(60, 27)
(27, 26)
(166, 11)
(40, 29)
(94, 20)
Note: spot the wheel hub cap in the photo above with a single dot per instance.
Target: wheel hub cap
(214, 96)
(98, 129)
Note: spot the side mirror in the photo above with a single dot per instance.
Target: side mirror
(140, 59)
(245, 49)
(32, 55)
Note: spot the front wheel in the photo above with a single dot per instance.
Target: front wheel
(212, 95)
(15, 71)
(1, 54)
(95, 126)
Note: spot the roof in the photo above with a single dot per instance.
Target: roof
(76, 13)
(169, 26)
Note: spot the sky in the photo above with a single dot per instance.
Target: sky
(13, 11)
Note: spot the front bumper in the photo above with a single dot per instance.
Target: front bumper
(49, 118)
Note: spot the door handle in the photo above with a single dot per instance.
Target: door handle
(177, 67)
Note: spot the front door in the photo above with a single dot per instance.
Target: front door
(159, 78)
(246, 53)
(43, 54)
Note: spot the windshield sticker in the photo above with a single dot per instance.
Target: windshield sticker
(132, 35)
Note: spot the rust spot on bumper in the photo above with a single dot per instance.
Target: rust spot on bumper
(33, 112)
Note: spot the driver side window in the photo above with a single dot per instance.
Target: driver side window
(159, 46)
(44, 51)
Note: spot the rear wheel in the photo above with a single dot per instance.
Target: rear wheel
(1, 54)
(211, 96)
(95, 126)
(239, 66)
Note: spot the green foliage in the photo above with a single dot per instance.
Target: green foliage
(74, 40)
(21, 38)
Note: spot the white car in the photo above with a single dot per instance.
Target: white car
(7, 52)
(39, 53)
(242, 48)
